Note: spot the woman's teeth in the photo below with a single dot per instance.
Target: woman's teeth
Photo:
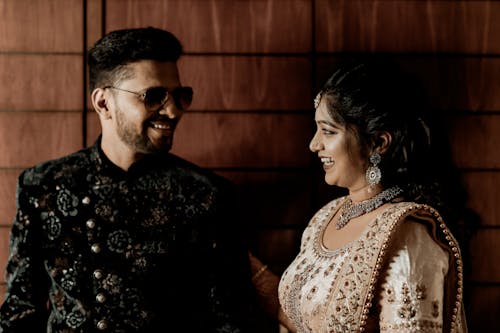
(327, 160)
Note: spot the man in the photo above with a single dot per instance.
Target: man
(124, 236)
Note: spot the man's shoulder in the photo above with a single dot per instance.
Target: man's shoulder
(193, 170)
(68, 165)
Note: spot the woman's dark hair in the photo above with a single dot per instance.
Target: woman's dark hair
(109, 55)
(373, 95)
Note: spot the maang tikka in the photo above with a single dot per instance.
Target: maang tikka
(373, 173)
(317, 99)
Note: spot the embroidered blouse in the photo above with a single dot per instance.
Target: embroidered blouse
(94, 248)
(404, 274)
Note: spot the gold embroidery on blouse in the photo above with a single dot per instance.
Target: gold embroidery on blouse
(352, 291)
(416, 325)
(435, 309)
(421, 292)
(390, 295)
(407, 309)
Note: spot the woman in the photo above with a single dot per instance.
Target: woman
(381, 258)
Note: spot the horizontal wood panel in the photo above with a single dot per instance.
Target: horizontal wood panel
(270, 199)
(8, 182)
(4, 251)
(41, 26)
(485, 256)
(483, 190)
(451, 83)
(242, 83)
(248, 82)
(483, 308)
(246, 140)
(41, 82)
(94, 21)
(474, 140)
(221, 26)
(27, 138)
(408, 26)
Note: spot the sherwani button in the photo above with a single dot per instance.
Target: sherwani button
(86, 200)
(96, 248)
(98, 274)
(102, 325)
(90, 223)
(101, 298)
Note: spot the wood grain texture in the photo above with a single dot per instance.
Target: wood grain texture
(93, 127)
(245, 140)
(241, 140)
(485, 256)
(275, 26)
(41, 26)
(8, 182)
(408, 26)
(248, 82)
(41, 82)
(483, 188)
(28, 138)
(474, 140)
(451, 83)
(483, 309)
(272, 198)
(94, 21)
(4, 251)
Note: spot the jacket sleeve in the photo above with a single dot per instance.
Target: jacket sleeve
(25, 304)
(412, 294)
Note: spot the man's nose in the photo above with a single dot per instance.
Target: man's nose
(170, 110)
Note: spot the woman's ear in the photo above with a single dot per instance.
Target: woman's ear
(100, 103)
(383, 142)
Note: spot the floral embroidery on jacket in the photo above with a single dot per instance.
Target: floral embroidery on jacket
(122, 251)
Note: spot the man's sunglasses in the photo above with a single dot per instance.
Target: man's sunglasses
(154, 98)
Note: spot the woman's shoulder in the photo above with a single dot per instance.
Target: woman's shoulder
(409, 210)
(411, 218)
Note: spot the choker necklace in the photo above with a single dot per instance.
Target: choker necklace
(349, 210)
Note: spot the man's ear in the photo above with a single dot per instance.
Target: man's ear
(100, 103)
(383, 142)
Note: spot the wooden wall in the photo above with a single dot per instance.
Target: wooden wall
(255, 66)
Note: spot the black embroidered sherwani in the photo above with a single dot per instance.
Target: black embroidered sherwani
(96, 249)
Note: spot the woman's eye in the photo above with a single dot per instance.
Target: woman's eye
(327, 132)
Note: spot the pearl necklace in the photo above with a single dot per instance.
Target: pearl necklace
(349, 210)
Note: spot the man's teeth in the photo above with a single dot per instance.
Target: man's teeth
(161, 126)
(326, 160)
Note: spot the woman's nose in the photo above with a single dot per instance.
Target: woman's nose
(314, 145)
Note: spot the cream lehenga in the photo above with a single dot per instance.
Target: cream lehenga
(404, 274)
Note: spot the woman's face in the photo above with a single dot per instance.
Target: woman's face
(338, 150)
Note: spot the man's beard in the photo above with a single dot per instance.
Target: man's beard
(140, 142)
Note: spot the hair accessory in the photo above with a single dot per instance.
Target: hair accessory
(317, 99)
(349, 210)
(373, 173)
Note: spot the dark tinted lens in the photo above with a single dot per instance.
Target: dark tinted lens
(183, 96)
(155, 97)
